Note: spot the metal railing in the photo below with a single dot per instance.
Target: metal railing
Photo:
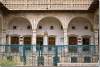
(47, 4)
(35, 55)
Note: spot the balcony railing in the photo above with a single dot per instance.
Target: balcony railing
(47, 4)
(35, 55)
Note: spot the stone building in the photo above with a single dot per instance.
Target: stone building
(53, 32)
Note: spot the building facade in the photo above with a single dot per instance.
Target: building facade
(50, 32)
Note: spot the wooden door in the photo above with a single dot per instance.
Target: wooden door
(27, 40)
(39, 42)
(72, 40)
(86, 42)
(27, 43)
(51, 42)
(14, 43)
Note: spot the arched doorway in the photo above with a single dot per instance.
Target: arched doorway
(52, 28)
(80, 36)
(19, 31)
(50, 34)
(80, 26)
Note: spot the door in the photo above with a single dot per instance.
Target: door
(51, 42)
(39, 43)
(39, 49)
(14, 43)
(72, 40)
(27, 43)
(86, 42)
(72, 43)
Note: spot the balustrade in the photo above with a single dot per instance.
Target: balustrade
(43, 55)
(47, 4)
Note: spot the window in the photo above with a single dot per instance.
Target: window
(28, 27)
(86, 27)
(51, 27)
(73, 27)
(73, 59)
(87, 59)
(61, 28)
(40, 27)
(14, 27)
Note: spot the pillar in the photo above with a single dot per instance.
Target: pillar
(45, 39)
(65, 37)
(96, 37)
(34, 37)
(34, 40)
(21, 40)
(9, 39)
(3, 41)
(79, 40)
(66, 41)
(92, 40)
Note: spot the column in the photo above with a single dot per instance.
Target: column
(4, 38)
(9, 42)
(9, 39)
(34, 40)
(79, 40)
(3, 41)
(80, 47)
(21, 45)
(34, 37)
(92, 40)
(65, 37)
(21, 40)
(45, 40)
(96, 35)
(66, 41)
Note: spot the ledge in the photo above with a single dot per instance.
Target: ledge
(79, 64)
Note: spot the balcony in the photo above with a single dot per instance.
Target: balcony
(47, 4)
(35, 55)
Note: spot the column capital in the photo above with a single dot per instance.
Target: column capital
(34, 30)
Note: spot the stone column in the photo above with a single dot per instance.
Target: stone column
(3, 37)
(79, 40)
(21, 41)
(9, 39)
(34, 37)
(65, 37)
(79, 48)
(34, 40)
(66, 47)
(96, 40)
(96, 36)
(3, 40)
(45, 40)
(92, 41)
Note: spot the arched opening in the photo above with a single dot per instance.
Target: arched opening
(19, 31)
(72, 42)
(80, 26)
(51, 30)
(78, 31)
(50, 33)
